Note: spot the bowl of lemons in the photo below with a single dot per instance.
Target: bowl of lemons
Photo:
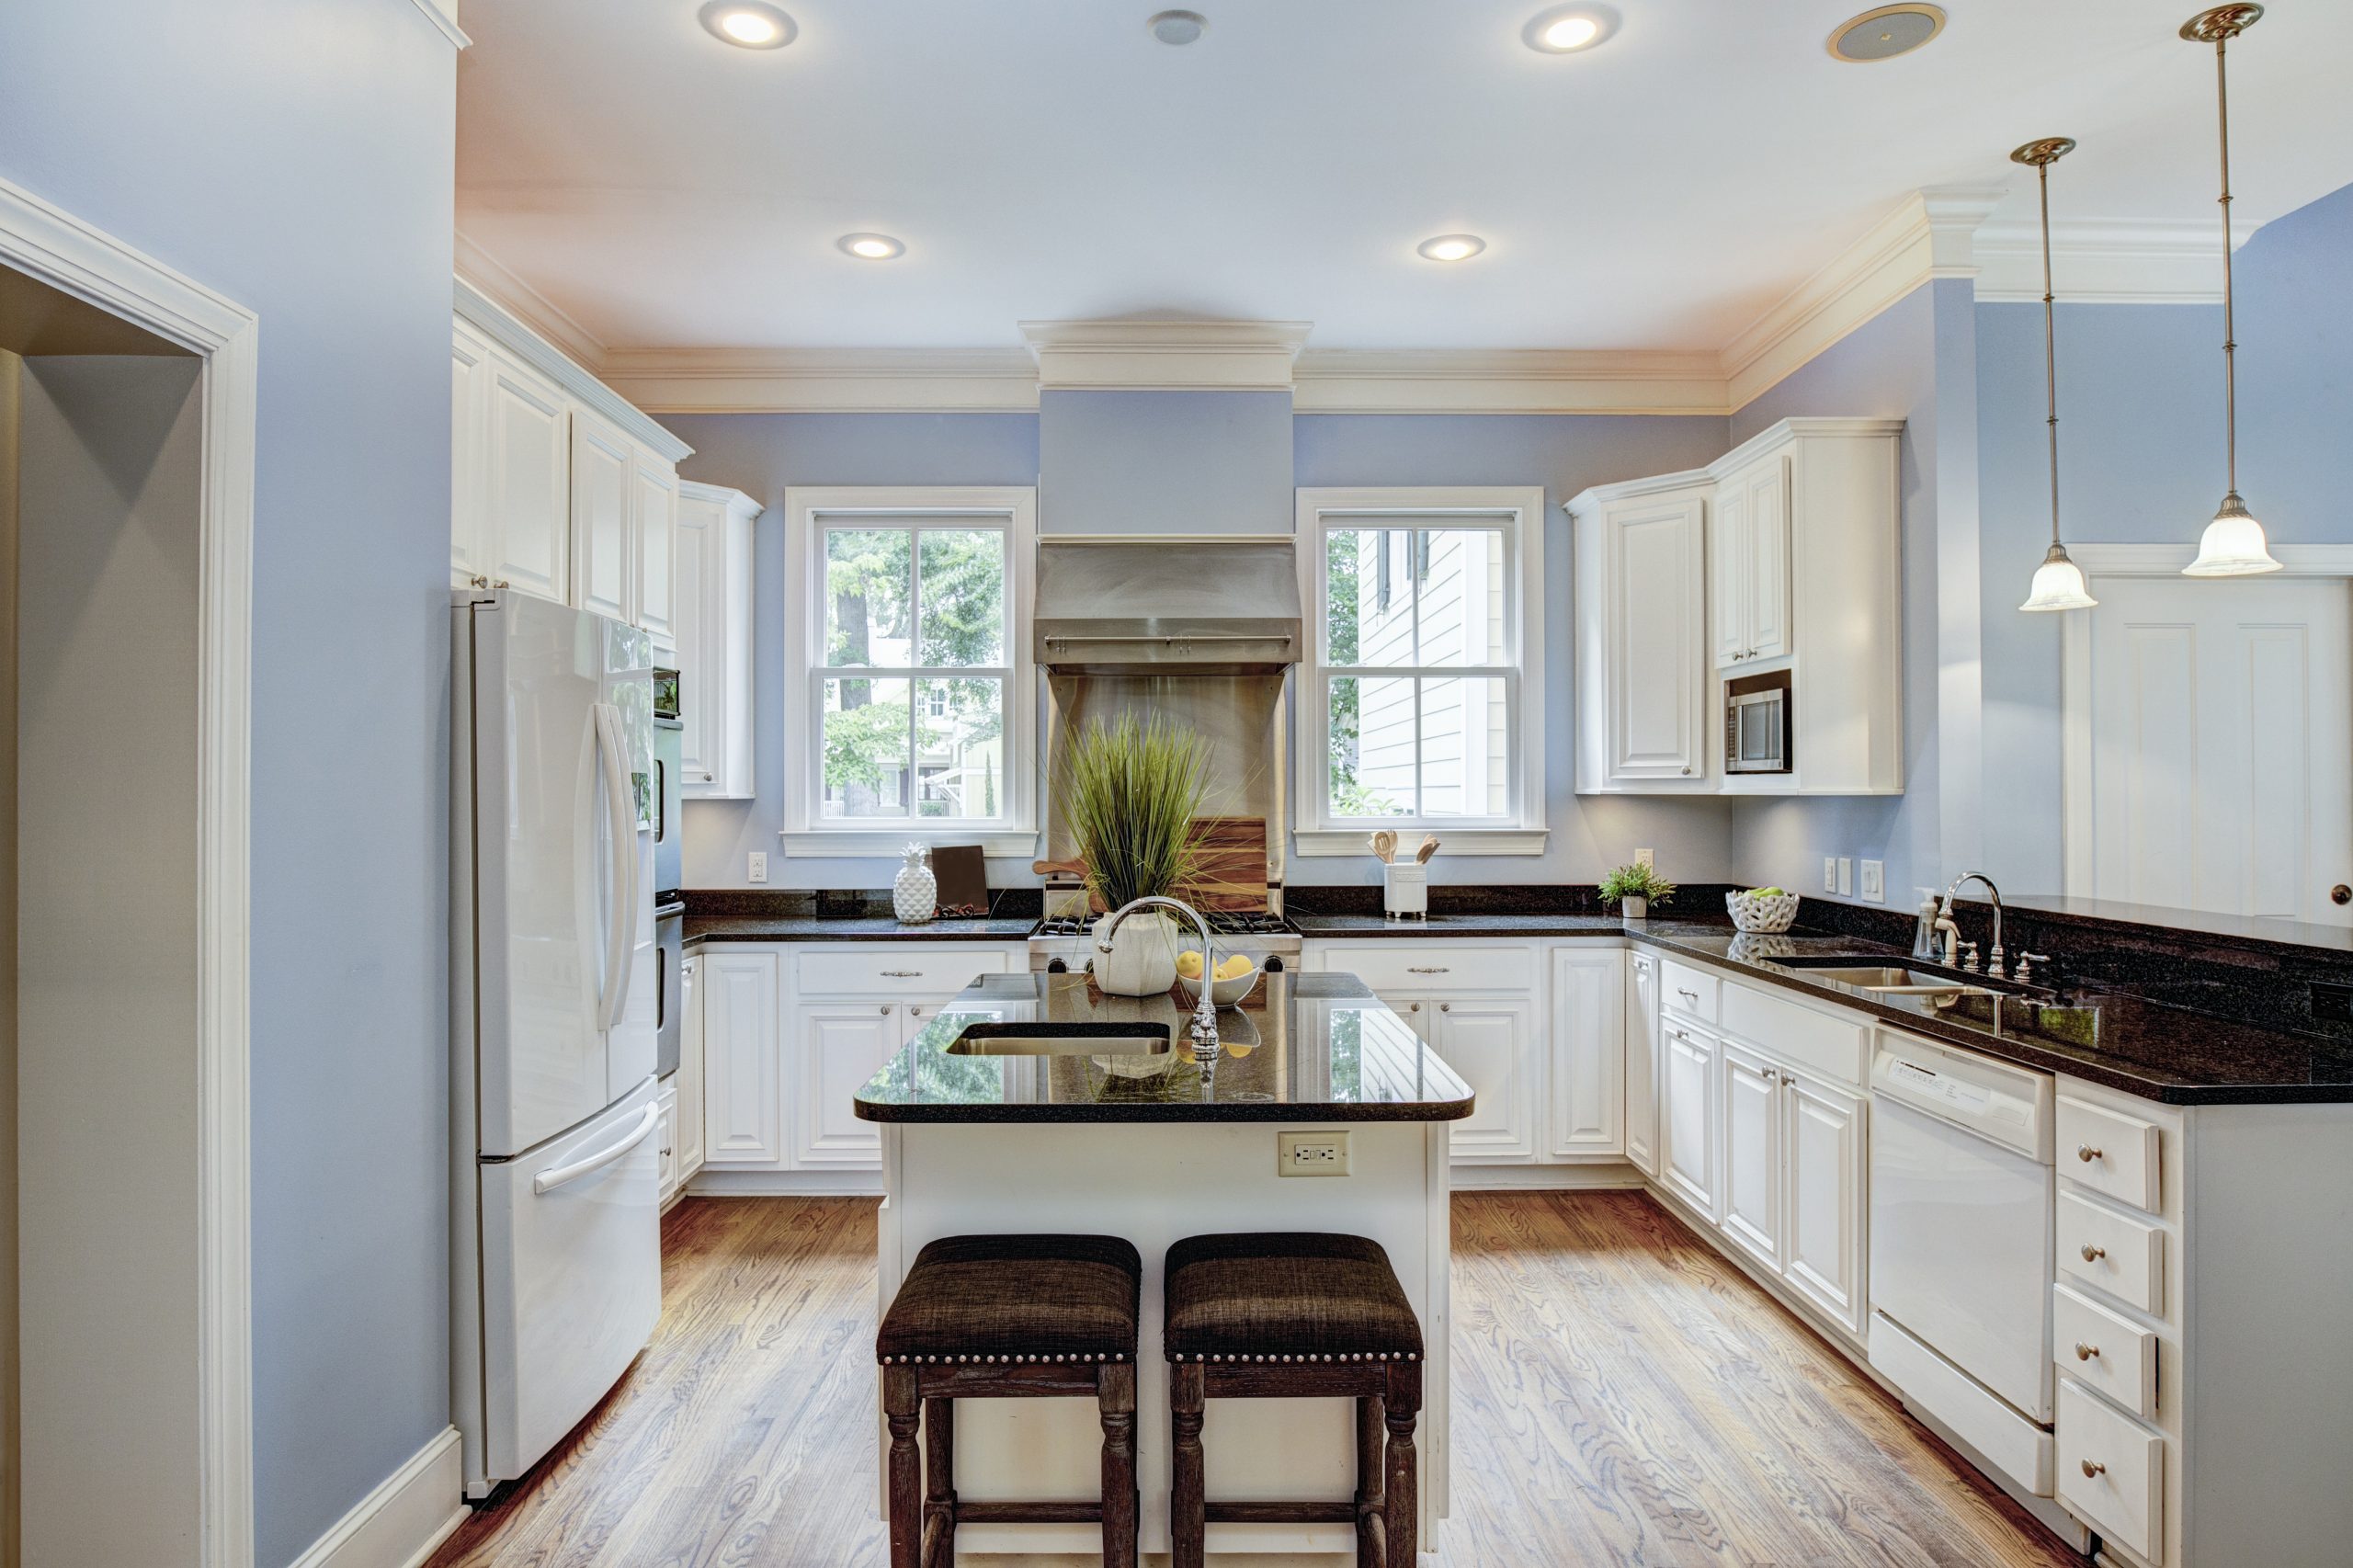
(1235, 978)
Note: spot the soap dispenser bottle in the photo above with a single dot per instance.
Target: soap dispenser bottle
(1923, 939)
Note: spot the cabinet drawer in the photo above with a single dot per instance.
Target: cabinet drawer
(1687, 990)
(1829, 1046)
(913, 971)
(2109, 1151)
(2119, 1255)
(2105, 1351)
(1398, 968)
(2111, 1472)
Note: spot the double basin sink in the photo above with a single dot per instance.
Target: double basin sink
(1880, 979)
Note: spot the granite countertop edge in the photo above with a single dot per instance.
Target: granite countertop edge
(1434, 1112)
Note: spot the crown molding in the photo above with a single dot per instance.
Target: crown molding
(1165, 356)
(1927, 235)
(443, 14)
(2103, 262)
(825, 380)
(518, 338)
(494, 281)
(1508, 380)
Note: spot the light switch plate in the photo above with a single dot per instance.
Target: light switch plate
(1830, 873)
(1324, 1153)
(758, 869)
(1846, 876)
(1642, 859)
(1875, 882)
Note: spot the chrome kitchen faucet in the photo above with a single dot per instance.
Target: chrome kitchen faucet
(1204, 1030)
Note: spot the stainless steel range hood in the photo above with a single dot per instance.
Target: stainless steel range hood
(1163, 605)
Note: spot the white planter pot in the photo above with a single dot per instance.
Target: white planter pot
(1142, 959)
(1636, 908)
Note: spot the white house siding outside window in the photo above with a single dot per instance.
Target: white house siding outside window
(1422, 700)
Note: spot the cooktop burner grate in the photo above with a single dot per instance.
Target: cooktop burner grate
(1222, 922)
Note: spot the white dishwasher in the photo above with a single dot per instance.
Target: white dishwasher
(1960, 1240)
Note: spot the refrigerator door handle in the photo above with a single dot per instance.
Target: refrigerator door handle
(619, 932)
(547, 1180)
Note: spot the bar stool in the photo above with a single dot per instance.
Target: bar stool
(1008, 1317)
(1295, 1316)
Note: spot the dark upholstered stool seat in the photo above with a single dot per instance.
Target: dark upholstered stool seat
(1286, 1296)
(1015, 1299)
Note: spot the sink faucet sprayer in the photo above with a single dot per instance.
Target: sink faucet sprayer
(1204, 1029)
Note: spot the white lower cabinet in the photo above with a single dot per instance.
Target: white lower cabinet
(1824, 1205)
(742, 1013)
(1751, 1094)
(665, 1141)
(1587, 1059)
(1490, 1041)
(1641, 1063)
(689, 1076)
(839, 1047)
(1688, 1113)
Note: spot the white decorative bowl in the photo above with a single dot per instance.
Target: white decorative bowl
(1223, 993)
(1758, 913)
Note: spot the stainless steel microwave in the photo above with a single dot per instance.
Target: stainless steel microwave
(1756, 723)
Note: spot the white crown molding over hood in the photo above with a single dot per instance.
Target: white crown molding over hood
(1930, 234)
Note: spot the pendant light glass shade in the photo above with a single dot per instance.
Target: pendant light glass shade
(2058, 583)
(2232, 545)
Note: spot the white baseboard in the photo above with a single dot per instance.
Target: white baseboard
(1602, 1176)
(719, 1183)
(411, 1512)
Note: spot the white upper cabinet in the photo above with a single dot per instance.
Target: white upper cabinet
(715, 640)
(1749, 556)
(1642, 673)
(557, 486)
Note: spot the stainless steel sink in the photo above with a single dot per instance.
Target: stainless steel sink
(1887, 980)
(991, 1039)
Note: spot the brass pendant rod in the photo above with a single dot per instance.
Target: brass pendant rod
(2049, 345)
(2229, 333)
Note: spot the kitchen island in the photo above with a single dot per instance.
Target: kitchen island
(1128, 1134)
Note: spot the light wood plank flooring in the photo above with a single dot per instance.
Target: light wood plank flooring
(1621, 1395)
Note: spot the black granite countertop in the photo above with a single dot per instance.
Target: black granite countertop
(2141, 1047)
(1534, 924)
(706, 928)
(1301, 1047)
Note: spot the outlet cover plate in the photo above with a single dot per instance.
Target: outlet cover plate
(1875, 881)
(1642, 859)
(1324, 1153)
(756, 867)
(1830, 873)
(1846, 876)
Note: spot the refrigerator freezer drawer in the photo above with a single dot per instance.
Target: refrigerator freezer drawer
(572, 1277)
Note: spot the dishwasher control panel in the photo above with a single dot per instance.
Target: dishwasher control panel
(2009, 1105)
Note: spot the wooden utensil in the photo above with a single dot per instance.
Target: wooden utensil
(1230, 865)
(1385, 845)
(1428, 848)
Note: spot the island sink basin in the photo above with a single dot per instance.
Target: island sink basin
(993, 1038)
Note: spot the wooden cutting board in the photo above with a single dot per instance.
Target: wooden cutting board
(1231, 873)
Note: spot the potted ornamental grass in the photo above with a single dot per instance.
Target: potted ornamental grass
(1635, 889)
(1130, 791)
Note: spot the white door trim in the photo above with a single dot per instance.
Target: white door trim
(68, 255)
(2076, 807)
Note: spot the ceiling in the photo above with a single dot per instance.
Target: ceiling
(1046, 159)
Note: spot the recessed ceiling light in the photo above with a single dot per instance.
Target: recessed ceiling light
(748, 24)
(1886, 32)
(1453, 247)
(871, 247)
(1178, 28)
(1565, 29)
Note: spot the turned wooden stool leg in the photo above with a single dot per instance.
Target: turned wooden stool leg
(901, 1409)
(1187, 1491)
(939, 1483)
(1115, 1397)
(1404, 1503)
(1372, 1534)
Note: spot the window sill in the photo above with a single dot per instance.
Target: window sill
(857, 843)
(1338, 841)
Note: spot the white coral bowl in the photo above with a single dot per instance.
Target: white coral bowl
(1750, 911)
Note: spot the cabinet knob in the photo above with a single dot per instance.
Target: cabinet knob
(1413, 1006)
(2092, 1253)
(1686, 772)
(1446, 1007)
(914, 1012)
(2087, 1153)
(2092, 1467)
(2086, 1352)
(885, 1011)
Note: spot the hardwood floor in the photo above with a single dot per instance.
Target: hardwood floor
(1621, 1395)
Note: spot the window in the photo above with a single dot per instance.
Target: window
(1421, 704)
(911, 693)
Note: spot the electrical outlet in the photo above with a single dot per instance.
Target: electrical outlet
(1846, 876)
(1875, 882)
(757, 870)
(1312, 1154)
(1642, 859)
(1830, 873)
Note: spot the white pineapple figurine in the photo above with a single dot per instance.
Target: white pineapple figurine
(914, 896)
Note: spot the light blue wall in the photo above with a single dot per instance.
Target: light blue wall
(1169, 463)
(761, 454)
(298, 157)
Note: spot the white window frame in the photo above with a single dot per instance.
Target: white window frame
(808, 512)
(1520, 510)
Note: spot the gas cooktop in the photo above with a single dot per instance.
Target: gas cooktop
(1222, 922)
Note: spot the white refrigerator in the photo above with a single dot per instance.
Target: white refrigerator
(556, 1266)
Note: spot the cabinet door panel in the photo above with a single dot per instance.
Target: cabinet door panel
(1657, 728)
(1586, 1062)
(700, 529)
(1767, 585)
(743, 1047)
(1490, 1042)
(471, 554)
(524, 522)
(600, 518)
(1728, 568)
(840, 1047)
(1688, 1116)
(690, 1073)
(1641, 1063)
(654, 508)
(1824, 1168)
(1752, 1100)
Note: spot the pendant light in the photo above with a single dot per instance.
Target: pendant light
(2234, 544)
(2058, 582)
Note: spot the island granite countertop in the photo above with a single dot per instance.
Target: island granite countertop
(1300, 1048)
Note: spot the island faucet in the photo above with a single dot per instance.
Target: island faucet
(1204, 1029)
(1953, 932)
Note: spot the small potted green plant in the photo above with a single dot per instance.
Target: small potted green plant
(1636, 889)
(1130, 792)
